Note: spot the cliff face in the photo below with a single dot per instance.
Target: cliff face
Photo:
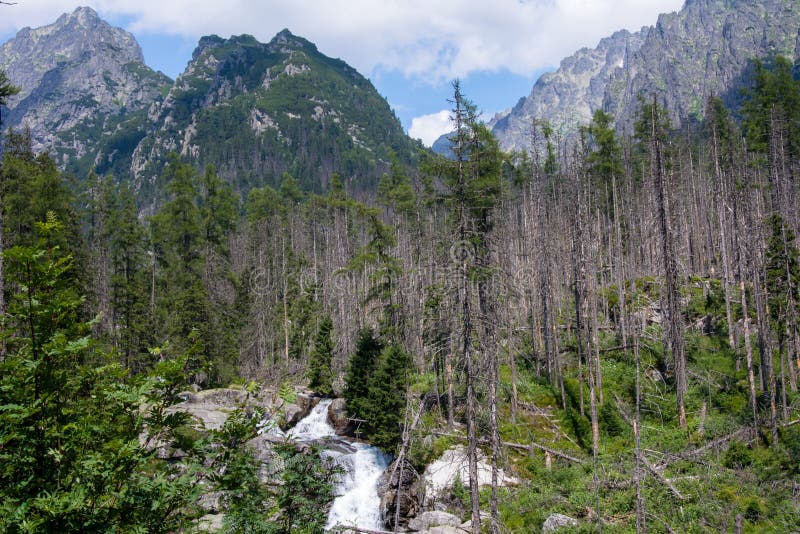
(568, 97)
(705, 49)
(80, 79)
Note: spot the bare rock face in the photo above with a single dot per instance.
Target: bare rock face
(568, 97)
(452, 466)
(78, 77)
(427, 520)
(705, 49)
(412, 492)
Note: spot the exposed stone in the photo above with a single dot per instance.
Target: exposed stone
(427, 520)
(453, 465)
(412, 492)
(210, 407)
(337, 415)
(557, 521)
(211, 523)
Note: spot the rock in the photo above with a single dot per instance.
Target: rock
(412, 492)
(210, 502)
(444, 530)
(467, 525)
(557, 521)
(210, 523)
(441, 475)
(270, 463)
(210, 407)
(337, 415)
(292, 413)
(427, 520)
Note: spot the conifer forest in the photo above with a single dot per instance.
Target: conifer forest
(601, 331)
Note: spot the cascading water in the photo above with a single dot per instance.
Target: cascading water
(357, 503)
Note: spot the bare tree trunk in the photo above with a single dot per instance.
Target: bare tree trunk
(674, 337)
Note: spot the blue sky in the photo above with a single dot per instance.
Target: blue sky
(411, 50)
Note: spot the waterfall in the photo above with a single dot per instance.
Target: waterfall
(357, 503)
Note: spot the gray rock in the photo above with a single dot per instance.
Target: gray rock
(412, 492)
(210, 523)
(337, 415)
(427, 520)
(557, 521)
(211, 407)
(444, 530)
(76, 75)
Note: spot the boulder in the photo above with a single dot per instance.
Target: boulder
(441, 475)
(337, 415)
(210, 523)
(292, 413)
(269, 462)
(411, 491)
(210, 407)
(557, 521)
(447, 529)
(428, 520)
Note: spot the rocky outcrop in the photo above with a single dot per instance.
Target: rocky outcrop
(703, 50)
(556, 522)
(293, 412)
(453, 465)
(337, 415)
(427, 520)
(211, 407)
(411, 491)
(569, 96)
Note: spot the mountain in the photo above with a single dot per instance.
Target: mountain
(253, 110)
(568, 97)
(705, 49)
(82, 82)
(257, 110)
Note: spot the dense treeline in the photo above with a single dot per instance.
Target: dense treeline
(643, 288)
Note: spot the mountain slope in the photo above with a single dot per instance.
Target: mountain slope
(703, 50)
(568, 97)
(81, 80)
(257, 110)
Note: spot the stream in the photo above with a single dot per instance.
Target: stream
(357, 503)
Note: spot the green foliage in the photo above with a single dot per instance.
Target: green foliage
(360, 369)
(320, 372)
(70, 449)
(307, 490)
(773, 100)
(385, 404)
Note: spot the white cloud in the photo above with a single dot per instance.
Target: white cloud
(428, 40)
(429, 128)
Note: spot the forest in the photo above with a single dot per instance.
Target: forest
(611, 318)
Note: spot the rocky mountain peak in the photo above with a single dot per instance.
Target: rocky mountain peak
(78, 76)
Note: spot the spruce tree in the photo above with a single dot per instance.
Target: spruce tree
(359, 373)
(386, 401)
(320, 371)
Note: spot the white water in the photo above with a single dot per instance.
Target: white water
(357, 503)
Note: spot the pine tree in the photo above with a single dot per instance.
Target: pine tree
(360, 369)
(386, 401)
(320, 371)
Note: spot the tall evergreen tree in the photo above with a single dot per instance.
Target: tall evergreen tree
(386, 401)
(360, 369)
(320, 370)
